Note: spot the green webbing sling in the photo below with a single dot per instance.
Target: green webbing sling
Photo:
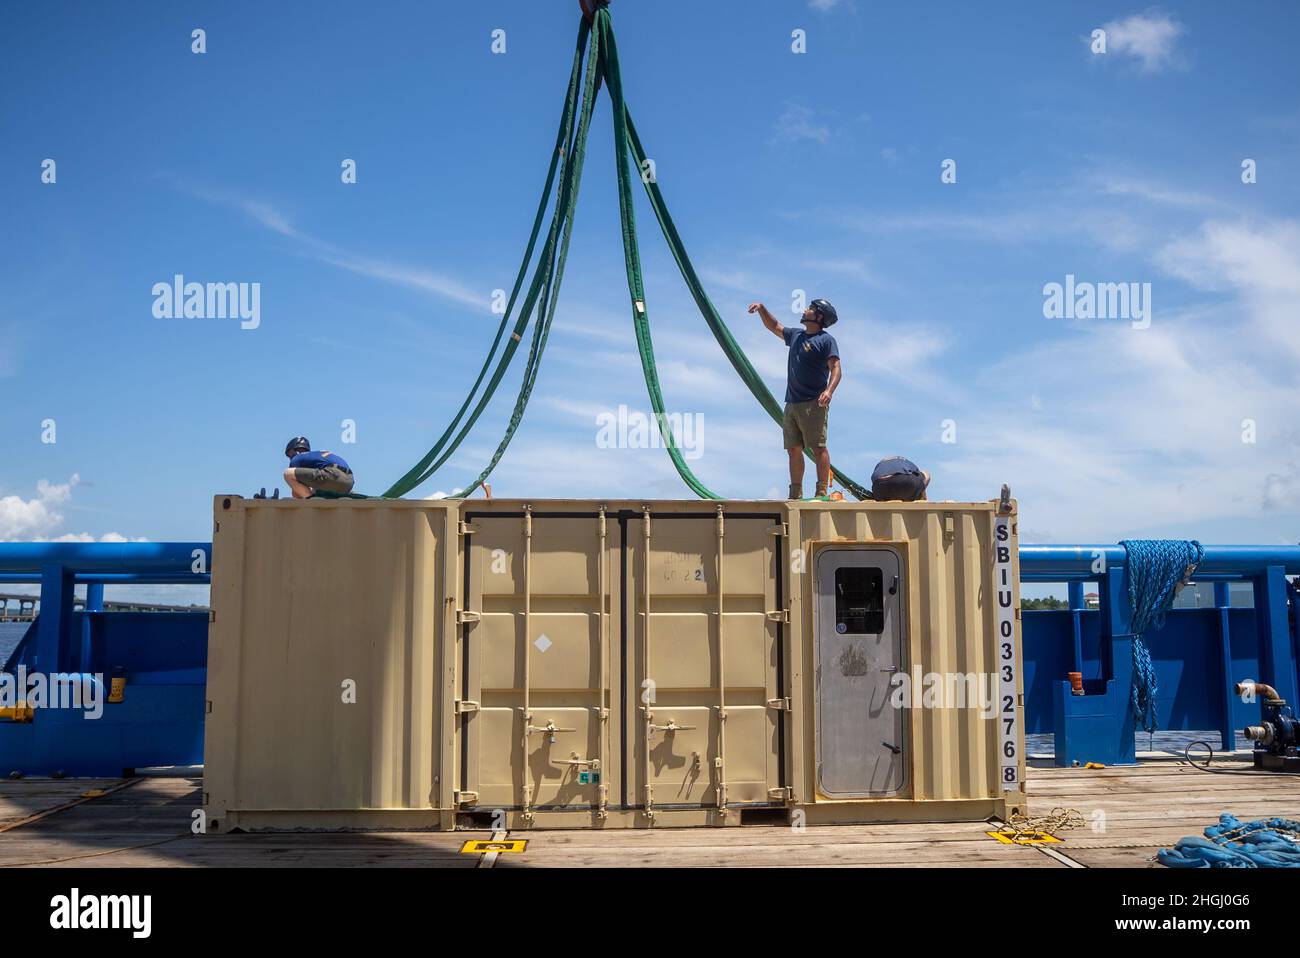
(423, 469)
(565, 206)
(602, 62)
(632, 258)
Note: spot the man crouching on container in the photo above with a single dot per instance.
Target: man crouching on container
(812, 373)
(310, 470)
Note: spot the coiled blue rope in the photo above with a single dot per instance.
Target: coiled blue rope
(1156, 568)
(1234, 844)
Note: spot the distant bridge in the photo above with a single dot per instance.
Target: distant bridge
(27, 606)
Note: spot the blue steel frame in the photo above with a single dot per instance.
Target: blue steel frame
(1098, 726)
(1197, 659)
(162, 656)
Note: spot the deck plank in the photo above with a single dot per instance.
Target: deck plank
(1144, 808)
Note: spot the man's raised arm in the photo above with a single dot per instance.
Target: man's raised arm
(768, 320)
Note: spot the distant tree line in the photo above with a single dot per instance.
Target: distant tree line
(1050, 602)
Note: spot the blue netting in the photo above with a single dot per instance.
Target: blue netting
(1156, 568)
(1264, 843)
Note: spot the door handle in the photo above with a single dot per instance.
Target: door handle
(893, 748)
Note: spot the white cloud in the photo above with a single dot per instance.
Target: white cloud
(798, 123)
(29, 518)
(1282, 490)
(38, 519)
(1140, 430)
(1258, 261)
(1148, 37)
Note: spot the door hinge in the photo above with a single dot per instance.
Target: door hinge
(780, 529)
(781, 704)
(466, 705)
(779, 615)
(464, 528)
(781, 794)
(212, 615)
(464, 798)
(465, 615)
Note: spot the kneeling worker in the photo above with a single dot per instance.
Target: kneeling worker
(897, 479)
(310, 470)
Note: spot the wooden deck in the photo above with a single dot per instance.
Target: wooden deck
(147, 823)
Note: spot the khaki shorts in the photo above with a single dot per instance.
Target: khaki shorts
(329, 479)
(805, 424)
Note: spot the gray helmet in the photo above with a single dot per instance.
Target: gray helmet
(296, 445)
(825, 312)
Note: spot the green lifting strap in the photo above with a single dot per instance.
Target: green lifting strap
(632, 257)
(568, 201)
(571, 142)
(440, 452)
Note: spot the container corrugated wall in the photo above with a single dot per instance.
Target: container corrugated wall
(323, 669)
(551, 662)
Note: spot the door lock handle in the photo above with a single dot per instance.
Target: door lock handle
(671, 727)
(549, 729)
(893, 748)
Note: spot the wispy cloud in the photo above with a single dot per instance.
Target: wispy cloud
(798, 123)
(400, 274)
(1150, 38)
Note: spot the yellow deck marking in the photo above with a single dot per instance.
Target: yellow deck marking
(478, 846)
(1024, 838)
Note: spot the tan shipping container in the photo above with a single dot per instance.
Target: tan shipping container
(514, 664)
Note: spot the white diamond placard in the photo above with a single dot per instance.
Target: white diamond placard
(542, 643)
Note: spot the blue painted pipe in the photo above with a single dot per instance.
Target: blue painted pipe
(1038, 560)
(113, 578)
(99, 559)
(176, 558)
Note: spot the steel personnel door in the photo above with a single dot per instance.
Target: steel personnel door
(857, 620)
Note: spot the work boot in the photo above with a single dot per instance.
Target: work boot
(796, 491)
(821, 491)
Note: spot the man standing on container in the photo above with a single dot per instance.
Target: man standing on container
(310, 470)
(812, 373)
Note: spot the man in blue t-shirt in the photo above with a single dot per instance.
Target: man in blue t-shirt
(812, 373)
(310, 470)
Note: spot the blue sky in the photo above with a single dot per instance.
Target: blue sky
(817, 171)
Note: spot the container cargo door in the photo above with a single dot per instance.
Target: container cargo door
(702, 708)
(857, 616)
(535, 677)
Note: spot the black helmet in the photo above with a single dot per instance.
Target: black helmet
(825, 312)
(296, 445)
